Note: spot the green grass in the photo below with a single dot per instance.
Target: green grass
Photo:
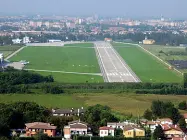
(7, 50)
(146, 67)
(48, 100)
(73, 78)
(81, 60)
(155, 49)
(122, 103)
(80, 45)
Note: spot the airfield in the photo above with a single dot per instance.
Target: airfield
(95, 62)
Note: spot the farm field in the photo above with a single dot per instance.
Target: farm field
(80, 45)
(7, 50)
(123, 103)
(146, 67)
(59, 59)
(73, 78)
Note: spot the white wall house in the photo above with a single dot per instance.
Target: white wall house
(106, 131)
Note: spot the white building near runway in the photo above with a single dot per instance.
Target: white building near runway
(1, 57)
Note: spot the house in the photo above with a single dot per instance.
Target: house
(172, 131)
(68, 112)
(75, 128)
(133, 131)
(33, 128)
(118, 125)
(152, 125)
(106, 131)
(165, 121)
(148, 41)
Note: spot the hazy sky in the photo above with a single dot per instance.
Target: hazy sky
(129, 8)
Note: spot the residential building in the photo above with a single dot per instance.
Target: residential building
(133, 131)
(165, 121)
(120, 125)
(106, 131)
(33, 128)
(152, 125)
(68, 112)
(75, 128)
(172, 131)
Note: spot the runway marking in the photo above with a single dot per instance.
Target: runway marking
(115, 69)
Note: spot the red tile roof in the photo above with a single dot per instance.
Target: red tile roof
(39, 125)
(106, 128)
(167, 127)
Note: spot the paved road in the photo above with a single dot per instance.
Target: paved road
(113, 67)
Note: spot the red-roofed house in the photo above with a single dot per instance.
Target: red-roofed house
(106, 131)
(172, 131)
(33, 128)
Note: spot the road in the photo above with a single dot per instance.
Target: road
(113, 67)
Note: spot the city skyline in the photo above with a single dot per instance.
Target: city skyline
(126, 8)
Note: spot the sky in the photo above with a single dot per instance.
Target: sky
(128, 8)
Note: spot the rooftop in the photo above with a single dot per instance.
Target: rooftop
(39, 125)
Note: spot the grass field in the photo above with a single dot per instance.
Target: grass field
(80, 45)
(81, 60)
(74, 78)
(123, 103)
(155, 49)
(7, 50)
(147, 68)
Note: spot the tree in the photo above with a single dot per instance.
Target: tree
(182, 105)
(185, 80)
(148, 114)
(118, 132)
(158, 133)
(97, 116)
(174, 114)
(41, 136)
(182, 123)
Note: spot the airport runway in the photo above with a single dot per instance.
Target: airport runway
(113, 67)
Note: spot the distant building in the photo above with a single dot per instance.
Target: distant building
(108, 39)
(68, 112)
(148, 41)
(118, 125)
(1, 57)
(16, 41)
(54, 40)
(26, 40)
(106, 131)
(75, 128)
(33, 128)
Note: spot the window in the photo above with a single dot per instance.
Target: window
(101, 132)
(51, 130)
(105, 132)
(129, 133)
